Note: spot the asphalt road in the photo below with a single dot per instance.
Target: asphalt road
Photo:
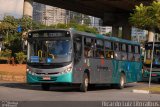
(25, 92)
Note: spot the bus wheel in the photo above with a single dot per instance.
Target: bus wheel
(84, 84)
(121, 82)
(45, 87)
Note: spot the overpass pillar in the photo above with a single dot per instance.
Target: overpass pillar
(126, 31)
(115, 31)
(28, 8)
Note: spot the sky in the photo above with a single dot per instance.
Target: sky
(11, 7)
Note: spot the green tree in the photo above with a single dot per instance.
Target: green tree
(13, 39)
(8, 25)
(146, 17)
(79, 27)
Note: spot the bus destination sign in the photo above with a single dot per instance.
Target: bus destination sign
(48, 34)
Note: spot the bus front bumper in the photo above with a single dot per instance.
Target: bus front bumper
(154, 75)
(63, 78)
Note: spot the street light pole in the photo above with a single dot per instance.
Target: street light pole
(150, 76)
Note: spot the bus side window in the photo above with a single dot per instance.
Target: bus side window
(108, 49)
(133, 53)
(124, 52)
(77, 48)
(99, 49)
(137, 53)
(117, 53)
(130, 53)
(89, 47)
(116, 47)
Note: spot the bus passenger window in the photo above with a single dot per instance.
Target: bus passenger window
(88, 52)
(109, 54)
(99, 49)
(100, 54)
(124, 52)
(88, 47)
(108, 50)
(116, 46)
(133, 51)
(77, 48)
(85, 52)
(137, 53)
(130, 53)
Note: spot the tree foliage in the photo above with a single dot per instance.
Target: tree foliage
(76, 26)
(146, 16)
(12, 38)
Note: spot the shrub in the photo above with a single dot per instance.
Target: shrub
(6, 53)
(20, 57)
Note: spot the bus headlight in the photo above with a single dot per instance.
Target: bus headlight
(68, 69)
(30, 72)
(27, 70)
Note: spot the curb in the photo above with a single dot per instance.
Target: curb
(141, 91)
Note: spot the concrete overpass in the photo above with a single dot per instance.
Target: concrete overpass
(114, 13)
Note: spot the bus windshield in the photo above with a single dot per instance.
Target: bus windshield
(156, 53)
(49, 51)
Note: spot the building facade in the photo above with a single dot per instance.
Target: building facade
(54, 15)
(38, 12)
(138, 35)
(105, 30)
(50, 15)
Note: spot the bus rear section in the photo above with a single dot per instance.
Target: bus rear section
(155, 73)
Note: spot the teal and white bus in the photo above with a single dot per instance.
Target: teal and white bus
(74, 57)
(155, 74)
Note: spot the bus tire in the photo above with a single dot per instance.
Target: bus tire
(45, 87)
(122, 81)
(85, 82)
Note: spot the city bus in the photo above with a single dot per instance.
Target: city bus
(81, 58)
(155, 73)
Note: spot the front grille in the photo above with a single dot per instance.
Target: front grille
(53, 73)
(41, 73)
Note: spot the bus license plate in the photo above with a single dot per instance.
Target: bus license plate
(154, 75)
(46, 78)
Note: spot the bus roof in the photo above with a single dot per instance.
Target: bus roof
(99, 36)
